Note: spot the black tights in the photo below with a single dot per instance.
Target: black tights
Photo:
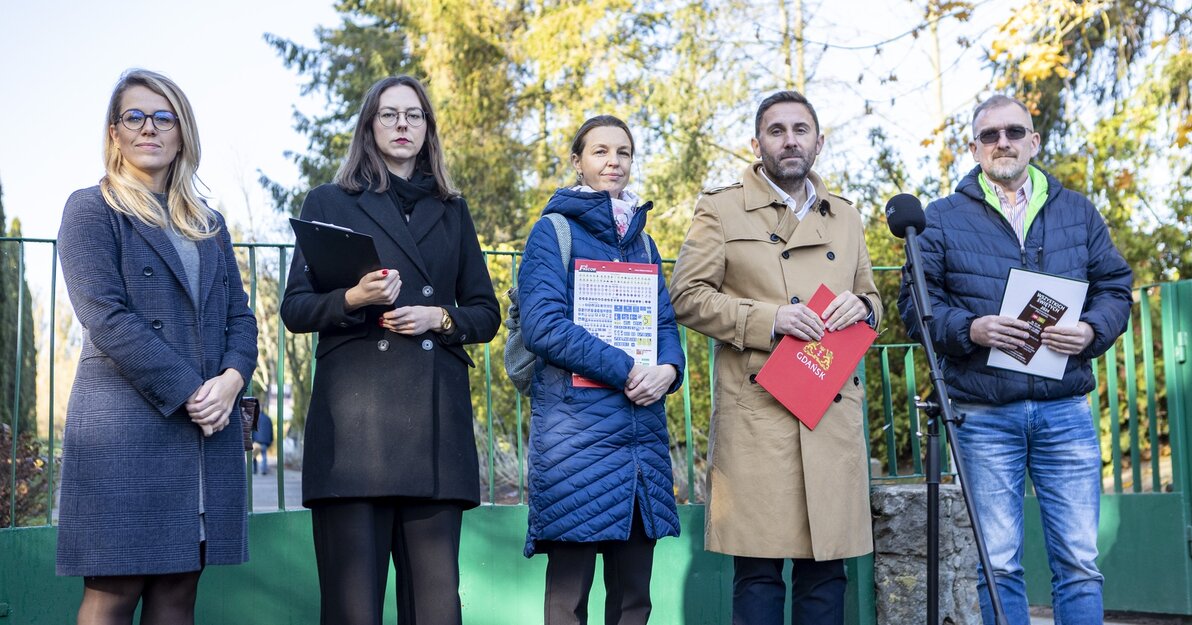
(166, 599)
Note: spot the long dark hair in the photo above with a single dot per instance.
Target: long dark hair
(364, 168)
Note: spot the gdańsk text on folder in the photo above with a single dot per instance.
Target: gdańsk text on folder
(806, 376)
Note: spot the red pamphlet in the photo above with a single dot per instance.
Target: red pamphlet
(805, 376)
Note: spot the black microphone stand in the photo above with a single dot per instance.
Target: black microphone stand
(934, 410)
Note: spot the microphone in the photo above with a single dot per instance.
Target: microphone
(904, 214)
(904, 211)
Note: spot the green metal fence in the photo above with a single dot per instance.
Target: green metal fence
(1141, 407)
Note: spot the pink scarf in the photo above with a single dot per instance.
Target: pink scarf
(624, 208)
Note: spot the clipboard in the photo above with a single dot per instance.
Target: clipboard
(335, 256)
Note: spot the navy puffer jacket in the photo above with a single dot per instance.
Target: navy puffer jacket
(593, 453)
(968, 249)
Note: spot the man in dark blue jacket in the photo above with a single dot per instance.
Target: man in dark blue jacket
(1004, 214)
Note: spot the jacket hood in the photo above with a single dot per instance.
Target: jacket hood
(970, 186)
(594, 213)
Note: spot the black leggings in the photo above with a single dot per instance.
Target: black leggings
(354, 542)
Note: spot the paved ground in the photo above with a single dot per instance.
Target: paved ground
(264, 489)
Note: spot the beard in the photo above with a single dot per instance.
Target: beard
(792, 173)
(1005, 170)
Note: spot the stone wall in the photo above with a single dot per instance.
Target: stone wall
(900, 556)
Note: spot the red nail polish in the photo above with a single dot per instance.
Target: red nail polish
(384, 272)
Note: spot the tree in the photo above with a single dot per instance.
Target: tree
(18, 383)
(1108, 82)
(16, 310)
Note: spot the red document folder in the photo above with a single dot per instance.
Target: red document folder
(806, 376)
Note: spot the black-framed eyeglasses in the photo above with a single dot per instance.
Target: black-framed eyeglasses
(134, 119)
(990, 136)
(414, 117)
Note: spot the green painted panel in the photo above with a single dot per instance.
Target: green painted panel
(279, 585)
(1143, 554)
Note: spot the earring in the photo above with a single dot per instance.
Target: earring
(579, 177)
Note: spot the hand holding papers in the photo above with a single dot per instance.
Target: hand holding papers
(618, 304)
(336, 257)
(805, 376)
(1042, 301)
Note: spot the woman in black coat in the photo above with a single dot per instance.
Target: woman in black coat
(390, 460)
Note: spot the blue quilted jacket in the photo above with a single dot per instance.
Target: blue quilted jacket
(968, 249)
(593, 453)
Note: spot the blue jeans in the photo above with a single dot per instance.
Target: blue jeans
(1056, 442)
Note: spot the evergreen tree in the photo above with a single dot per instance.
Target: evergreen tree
(16, 307)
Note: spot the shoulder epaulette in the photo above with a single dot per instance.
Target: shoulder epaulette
(715, 190)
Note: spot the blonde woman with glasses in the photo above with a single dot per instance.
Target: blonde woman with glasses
(153, 485)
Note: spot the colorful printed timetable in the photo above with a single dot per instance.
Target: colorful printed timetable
(618, 304)
(1041, 300)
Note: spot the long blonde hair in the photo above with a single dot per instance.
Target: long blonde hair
(185, 212)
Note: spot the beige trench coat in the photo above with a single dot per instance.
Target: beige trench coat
(775, 488)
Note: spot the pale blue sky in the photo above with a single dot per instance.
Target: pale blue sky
(59, 61)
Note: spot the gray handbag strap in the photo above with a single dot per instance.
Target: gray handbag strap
(563, 233)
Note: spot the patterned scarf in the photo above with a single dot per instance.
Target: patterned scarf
(624, 208)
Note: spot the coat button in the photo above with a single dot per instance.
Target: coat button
(463, 337)
(753, 378)
(786, 254)
(831, 255)
(343, 324)
(427, 345)
(428, 290)
(774, 237)
(148, 271)
(795, 300)
(383, 345)
(837, 398)
(156, 324)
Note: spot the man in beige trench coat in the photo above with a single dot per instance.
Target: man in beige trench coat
(756, 252)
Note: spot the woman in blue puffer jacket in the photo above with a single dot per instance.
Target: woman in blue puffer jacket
(600, 471)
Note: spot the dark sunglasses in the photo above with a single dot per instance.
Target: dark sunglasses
(990, 136)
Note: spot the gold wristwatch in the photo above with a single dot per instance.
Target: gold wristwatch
(446, 324)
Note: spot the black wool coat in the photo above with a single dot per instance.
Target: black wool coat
(391, 414)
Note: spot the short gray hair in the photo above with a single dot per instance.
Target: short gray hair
(996, 101)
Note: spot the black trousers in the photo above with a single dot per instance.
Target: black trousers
(627, 566)
(817, 591)
(354, 542)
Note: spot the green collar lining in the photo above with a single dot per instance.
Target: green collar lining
(1033, 206)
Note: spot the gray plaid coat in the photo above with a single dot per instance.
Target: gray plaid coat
(136, 472)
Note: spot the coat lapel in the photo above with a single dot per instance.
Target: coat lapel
(160, 243)
(381, 210)
(427, 212)
(208, 264)
(811, 231)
